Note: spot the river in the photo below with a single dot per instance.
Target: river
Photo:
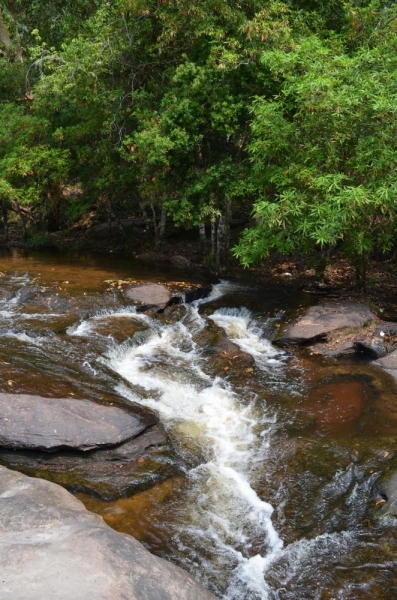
(273, 498)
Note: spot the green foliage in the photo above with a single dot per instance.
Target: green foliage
(285, 109)
(323, 151)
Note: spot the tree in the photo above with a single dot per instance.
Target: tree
(323, 150)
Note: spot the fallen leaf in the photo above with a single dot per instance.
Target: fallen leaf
(226, 369)
(250, 370)
(380, 502)
(386, 454)
(10, 382)
(140, 459)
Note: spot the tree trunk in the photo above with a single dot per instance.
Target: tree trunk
(228, 218)
(213, 237)
(5, 221)
(220, 244)
(156, 229)
(109, 210)
(203, 237)
(163, 222)
(361, 265)
(145, 216)
(4, 37)
(23, 223)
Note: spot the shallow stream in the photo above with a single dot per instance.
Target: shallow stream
(273, 499)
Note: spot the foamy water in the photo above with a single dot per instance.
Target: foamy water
(223, 512)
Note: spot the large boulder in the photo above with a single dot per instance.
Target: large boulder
(326, 322)
(52, 423)
(52, 547)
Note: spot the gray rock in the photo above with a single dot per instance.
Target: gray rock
(152, 296)
(52, 423)
(52, 547)
(109, 473)
(325, 322)
(379, 343)
(156, 297)
(389, 364)
(386, 489)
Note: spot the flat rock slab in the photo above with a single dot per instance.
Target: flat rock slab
(108, 473)
(322, 322)
(157, 297)
(52, 547)
(49, 424)
(152, 295)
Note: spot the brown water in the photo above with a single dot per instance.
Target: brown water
(276, 498)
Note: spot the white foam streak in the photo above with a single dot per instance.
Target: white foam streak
(87, 327)
(226, 510)
(245, 332)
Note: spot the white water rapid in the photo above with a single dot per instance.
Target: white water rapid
(164, 370)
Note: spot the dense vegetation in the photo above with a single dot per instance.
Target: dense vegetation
(283, 112)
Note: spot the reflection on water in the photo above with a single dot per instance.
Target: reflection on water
(276, 501)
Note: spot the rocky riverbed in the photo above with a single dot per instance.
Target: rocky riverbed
(263, 467)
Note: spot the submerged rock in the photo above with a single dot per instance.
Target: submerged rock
(335, 404)
(52, 423)
(51, 546)
(326, 322)
(108, 473)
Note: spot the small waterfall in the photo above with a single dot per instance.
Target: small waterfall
(223, 514)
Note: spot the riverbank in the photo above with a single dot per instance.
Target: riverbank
(183, 250)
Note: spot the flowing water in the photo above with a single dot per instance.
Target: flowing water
(274, 497)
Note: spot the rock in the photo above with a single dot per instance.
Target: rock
(229, 350)
(52, 423)
(102, 231)
(326, 322)
(386, 496)
(52, 547)
(379, 342)
(157, 297)
(389, 364)
(181, 261)
(194, 292)
(108, 474)
(151, 296)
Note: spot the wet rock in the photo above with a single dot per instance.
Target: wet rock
(157, 297)
(151, 296)
(389, 364)
(380, 341)
(51, 546)
(326, 322)
(52, 423)
(386, 496)
(108, 474)
(232, 352)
